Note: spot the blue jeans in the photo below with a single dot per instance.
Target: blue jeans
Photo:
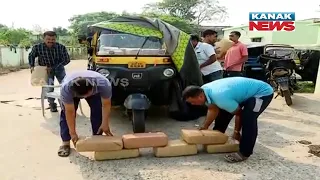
(59, 73)
(249, 122)
(95, 104)
(213, 76)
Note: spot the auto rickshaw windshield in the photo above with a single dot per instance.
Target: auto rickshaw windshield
(128, 41)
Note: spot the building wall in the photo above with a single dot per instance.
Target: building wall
(246, 35)
(15, 57)
(304, 34)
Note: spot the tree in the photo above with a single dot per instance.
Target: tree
(208, 10)
(15, 37)
(179, 23)
(177, 8)
(60, 31)
(37, 29)
(79, 23)
(196, 11)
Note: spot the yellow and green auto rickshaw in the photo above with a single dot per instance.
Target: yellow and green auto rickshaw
(148, 61)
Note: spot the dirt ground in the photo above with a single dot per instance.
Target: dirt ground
(28, 149)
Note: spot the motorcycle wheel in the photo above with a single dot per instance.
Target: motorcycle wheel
(287, 97)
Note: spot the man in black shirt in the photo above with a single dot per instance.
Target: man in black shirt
(53, 55)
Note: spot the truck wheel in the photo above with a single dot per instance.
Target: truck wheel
(138, 121)
(287, 97)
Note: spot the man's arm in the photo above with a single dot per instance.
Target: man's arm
(32, 56)
(237, 124)
(106, 109)
(209, 51)
(212, 114)
(70, 117)
(104, 87)
(64, 55)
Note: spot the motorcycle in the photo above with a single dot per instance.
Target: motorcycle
(280, 73)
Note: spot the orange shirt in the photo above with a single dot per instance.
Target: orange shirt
(233, 57)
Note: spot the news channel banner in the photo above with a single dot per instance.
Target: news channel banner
(272, 21)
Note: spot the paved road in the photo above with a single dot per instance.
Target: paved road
(29, 143)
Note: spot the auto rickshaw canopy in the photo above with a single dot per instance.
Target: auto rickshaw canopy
(177, 42)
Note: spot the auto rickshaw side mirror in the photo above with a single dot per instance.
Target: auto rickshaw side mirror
(90, 51)
(82, 39)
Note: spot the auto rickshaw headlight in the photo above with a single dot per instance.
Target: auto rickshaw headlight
(168, 72)
(104, 72)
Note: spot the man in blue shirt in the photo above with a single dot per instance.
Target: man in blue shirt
(96, 90)
(227, 97)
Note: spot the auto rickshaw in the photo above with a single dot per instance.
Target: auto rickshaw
(147, 61)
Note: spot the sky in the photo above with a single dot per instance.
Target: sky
(48, 14)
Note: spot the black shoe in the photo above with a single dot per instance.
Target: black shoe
(53, 108)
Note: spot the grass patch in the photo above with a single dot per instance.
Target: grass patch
(305, 87)
(7, 70)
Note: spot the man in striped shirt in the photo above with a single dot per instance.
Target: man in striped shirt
(53, 55)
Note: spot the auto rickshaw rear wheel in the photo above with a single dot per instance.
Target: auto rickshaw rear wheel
(138, 121)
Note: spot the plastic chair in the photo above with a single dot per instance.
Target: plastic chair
(55, 95)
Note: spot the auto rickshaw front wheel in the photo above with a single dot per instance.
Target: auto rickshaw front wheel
(138, 121)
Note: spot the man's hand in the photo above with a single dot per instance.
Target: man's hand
(203, 128)
(31, 69)
(49, 70)
(236, 135)
(74, 138)
(105, 128)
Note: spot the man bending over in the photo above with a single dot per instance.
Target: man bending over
(96, 90)
(228, 97)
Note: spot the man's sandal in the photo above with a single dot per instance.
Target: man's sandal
(235, 157)
(64, 151)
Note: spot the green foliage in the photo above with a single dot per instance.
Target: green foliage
(79, 23)
(179, 23)
(176, 8)
(196, 11)
(186, 15)
(61, 31)
(16, 37)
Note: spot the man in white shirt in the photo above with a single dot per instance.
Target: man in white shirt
(206, 55)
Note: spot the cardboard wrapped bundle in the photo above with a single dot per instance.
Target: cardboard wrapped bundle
(231, 145)
(222, 47)
(39, 76)
(144, 140)
(99, 143)
(175, 148)
(193, 136)
(120, 154)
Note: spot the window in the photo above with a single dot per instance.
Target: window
(256, 39)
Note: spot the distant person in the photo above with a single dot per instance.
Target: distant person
(53, 55)
(97, 91)
(235, 57)
(195, 39)
(211, 68)
(228, 97)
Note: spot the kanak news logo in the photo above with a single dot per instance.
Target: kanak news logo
(272, 21)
